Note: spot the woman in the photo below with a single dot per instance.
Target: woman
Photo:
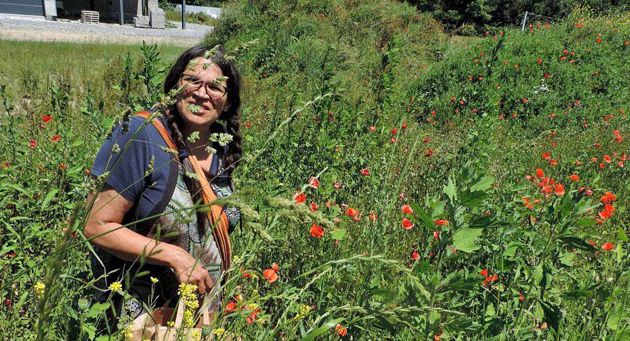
(143, 224)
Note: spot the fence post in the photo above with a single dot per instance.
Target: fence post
(183, 14)
(524, 21)
(122, 12)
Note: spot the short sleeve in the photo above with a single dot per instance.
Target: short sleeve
(124, 158)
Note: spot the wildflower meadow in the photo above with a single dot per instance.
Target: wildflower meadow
(397, 182)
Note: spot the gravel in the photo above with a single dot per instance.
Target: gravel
(16, 27)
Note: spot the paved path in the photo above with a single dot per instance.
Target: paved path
(15, 27)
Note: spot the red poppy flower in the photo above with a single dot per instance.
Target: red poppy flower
(607, 212)
(63, 166)
(415, 255)
(351, 212)
(270, 275)
(539, 61)
(313, 182)
(608, 197)
(313, 206)
(317, 231)
(392, 140)
(546, 155)
(32, 143)
(365, 172)
(341, 330)
(407, 224)
(436, 235)
(406, 209)
(372, 129)
(230, 307)
(47, 118)
(428, 152)
(394, 131)
(618, 136)
(540, 173)
(426, 139)
(300, 198)
(484, 272)
(607, 246)
(574, 177)
(404, 125)
(559, 189)
(607, 158)
(56, 138)
(441, 222)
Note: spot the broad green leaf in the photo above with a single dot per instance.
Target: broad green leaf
(567, 258)
(451, 191)
(490, 311)
(614, 318)
(466, 239)
(96, 309)
(321, 330)
(338, 234)
(483, 184)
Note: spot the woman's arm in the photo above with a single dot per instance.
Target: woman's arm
(105, 226)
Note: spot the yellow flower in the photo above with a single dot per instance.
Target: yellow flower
(154, 280)
(116, 287)
(188, 319)
(129, 333)
(252, 306)
(39, 289)
(305, 309)
(170, 324)
(218, 331)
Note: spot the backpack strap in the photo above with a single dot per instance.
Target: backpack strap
(216, 215)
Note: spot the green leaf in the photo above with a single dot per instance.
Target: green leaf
(321, 330)
(538, 273)
(338, 234)
(89, 329)
(451, 191)
(576, 242)
(466, 239)
(614, 318)
(483, 184)
(96, 309)
(490, 311)
(473, 199)
(51, 194)
(567, 258)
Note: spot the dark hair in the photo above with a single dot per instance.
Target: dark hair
(231, 153)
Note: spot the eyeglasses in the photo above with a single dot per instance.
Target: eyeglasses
(213, 88)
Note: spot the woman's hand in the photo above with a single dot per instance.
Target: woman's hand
(190, 270)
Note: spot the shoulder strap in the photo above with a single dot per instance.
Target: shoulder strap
(216, 215)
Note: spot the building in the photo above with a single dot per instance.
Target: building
(143, 13)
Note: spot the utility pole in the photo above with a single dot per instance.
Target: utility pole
(122, 13)
(183, 14)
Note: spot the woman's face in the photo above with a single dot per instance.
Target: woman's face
(204, 96)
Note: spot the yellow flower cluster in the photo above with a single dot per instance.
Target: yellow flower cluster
(195, 335)
(304, 310)
(218, 331)
(187, 293)
(39, 289)
(116, 287)
(154, 280)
